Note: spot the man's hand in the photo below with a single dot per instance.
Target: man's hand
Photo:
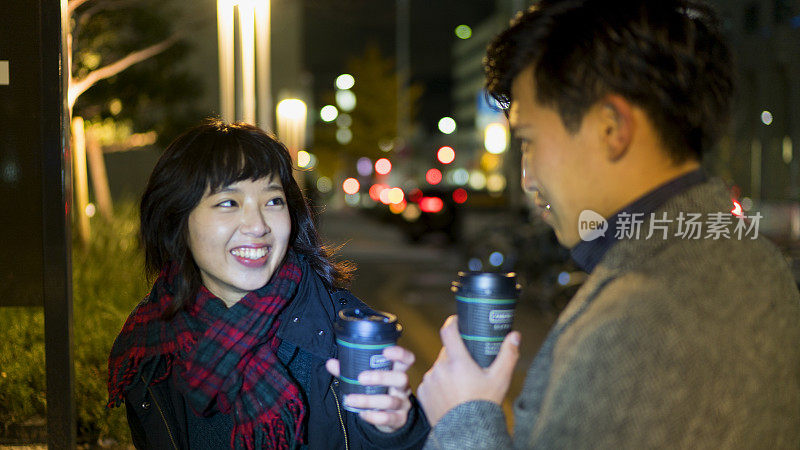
(387, 412)
(456, 378)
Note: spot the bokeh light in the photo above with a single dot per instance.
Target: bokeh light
(496, 259)
(346, 100)
(344, 136)
(292, 108)
(397, 208)
(477, 180)
(375, 191)
(383, 166)
(364, 166)
(475, 264)
(431, 204)
(433, 176)
(90, 210)
(386, 145)
(496, 182)
(345, 81)
(463, 32)
(460, 195)
(460, 176)
(344, 121)
(447, 125)
(411, 213)
(446, 155)
(415, 195)
(766, 117)
(351, 186)
(495, 138)
(396, 195)
(352, 199)
(328, 113)
(384, 196)
(303, 159)
(324, 184)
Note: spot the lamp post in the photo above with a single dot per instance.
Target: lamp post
(291, 117)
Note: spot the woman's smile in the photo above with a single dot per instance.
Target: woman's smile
(251, 256)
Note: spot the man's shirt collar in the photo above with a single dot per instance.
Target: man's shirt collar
(587, 254)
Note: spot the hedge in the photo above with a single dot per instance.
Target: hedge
(108, 281)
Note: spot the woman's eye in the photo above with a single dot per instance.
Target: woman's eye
(277, 201)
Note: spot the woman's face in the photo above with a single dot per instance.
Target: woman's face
(239, 235)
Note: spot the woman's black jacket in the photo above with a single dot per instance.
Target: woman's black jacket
(159, 418)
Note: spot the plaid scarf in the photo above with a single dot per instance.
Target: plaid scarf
(225, 357)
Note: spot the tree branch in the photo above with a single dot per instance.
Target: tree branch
(78, 87)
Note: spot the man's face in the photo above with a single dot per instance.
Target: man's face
(561, 169)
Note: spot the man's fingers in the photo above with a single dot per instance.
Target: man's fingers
(451, 339)
(333, 366)
(506, 359)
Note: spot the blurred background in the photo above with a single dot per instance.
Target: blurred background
(409, 166)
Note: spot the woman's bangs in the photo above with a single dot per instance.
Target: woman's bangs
(231, 162)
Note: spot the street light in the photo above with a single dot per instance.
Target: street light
(291, 114)
(495, 138)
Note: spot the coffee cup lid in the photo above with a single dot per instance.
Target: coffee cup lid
(367, 325)
(486, 284)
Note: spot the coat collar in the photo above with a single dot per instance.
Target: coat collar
(308, 320)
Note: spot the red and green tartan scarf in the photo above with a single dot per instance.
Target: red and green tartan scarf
(225, 358)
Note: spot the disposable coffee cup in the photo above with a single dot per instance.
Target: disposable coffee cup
(361, 336)
(485, 302)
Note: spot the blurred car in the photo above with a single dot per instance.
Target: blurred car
(432, 210)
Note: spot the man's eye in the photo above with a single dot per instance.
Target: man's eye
(226, 204)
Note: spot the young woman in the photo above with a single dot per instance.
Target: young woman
(229, 348)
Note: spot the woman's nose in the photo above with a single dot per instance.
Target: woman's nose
(253, 222)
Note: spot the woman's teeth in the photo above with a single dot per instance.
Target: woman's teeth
(249, 253)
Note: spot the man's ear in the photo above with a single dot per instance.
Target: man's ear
(618, 125)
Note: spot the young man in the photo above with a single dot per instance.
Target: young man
(686, 333)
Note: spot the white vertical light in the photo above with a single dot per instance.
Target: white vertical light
(247, 35)
(786, 150)
(227, 96)
(263, 63)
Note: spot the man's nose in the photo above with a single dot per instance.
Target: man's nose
(527, 181)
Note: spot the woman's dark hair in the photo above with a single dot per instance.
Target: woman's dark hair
(666, 56)
(209, 157)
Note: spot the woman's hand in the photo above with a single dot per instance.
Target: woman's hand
(388, 412)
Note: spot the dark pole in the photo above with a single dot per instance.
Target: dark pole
(403, 64)
(56, 204)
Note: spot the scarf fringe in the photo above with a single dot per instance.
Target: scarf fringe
(270, 433)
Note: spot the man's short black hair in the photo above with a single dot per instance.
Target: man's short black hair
(665, 56)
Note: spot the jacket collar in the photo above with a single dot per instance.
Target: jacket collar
(307, 320)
